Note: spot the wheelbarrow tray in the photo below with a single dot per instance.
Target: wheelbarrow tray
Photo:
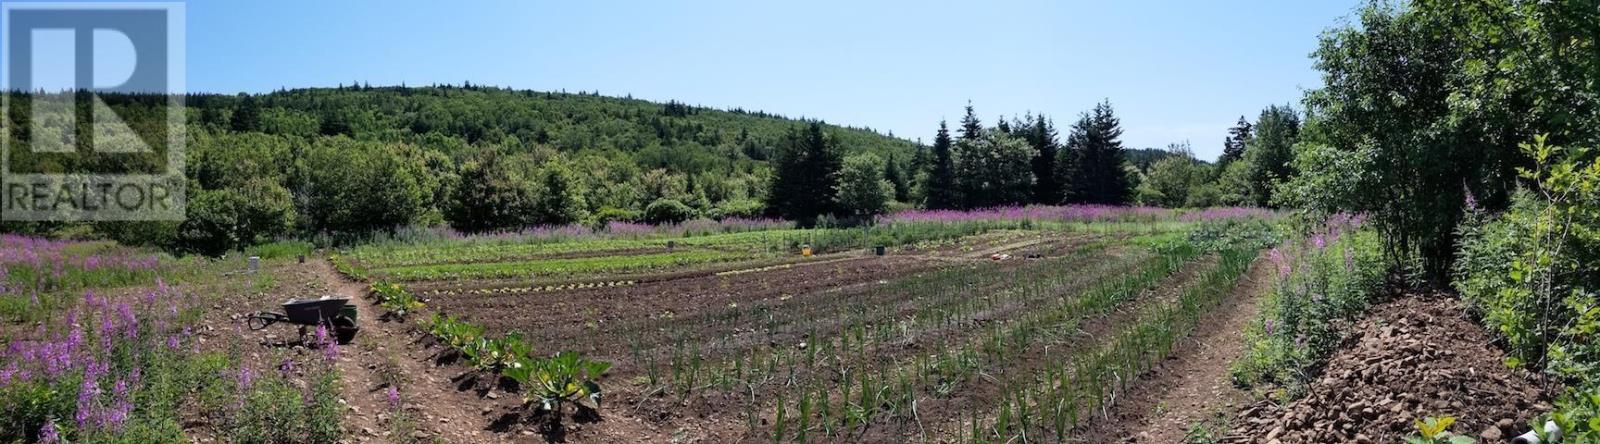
(313, 311)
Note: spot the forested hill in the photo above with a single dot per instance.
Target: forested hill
(359, 159)
(678, 137)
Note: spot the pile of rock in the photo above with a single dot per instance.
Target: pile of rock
(1413, 357)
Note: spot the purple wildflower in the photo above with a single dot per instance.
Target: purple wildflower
(48, 434)
(88, 400)
(129, 322)
(394, 397)
(322, 334)
(286, 368)
(245, 378)
(330, 352)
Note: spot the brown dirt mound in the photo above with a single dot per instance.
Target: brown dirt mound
(1420, 355)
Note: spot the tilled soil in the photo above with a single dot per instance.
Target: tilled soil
(1413, 357)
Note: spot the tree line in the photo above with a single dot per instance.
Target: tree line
(349, 161)
(1025, 161)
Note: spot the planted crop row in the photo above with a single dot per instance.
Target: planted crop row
(821, 240)
(997, 347)
(526, 289)
(867, 357)
(893, 306)
(564, 378)
(1070, 391)
(560, 267)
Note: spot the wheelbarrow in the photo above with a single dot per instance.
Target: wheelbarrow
(336, 313)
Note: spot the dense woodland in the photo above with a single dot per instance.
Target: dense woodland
(357, 159)
(352, 161)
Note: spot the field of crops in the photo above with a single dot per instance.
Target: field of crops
(983, 330)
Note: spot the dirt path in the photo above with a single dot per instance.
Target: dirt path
(1193, 383)
(383, 353)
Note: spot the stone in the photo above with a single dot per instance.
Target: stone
(1491, 434)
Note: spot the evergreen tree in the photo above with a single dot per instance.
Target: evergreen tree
(893, 174)
(247, 117)
(1091, 166)
(940, 189)
(1040, 134)
(805, 176)
(1233, 145)
(971, 128)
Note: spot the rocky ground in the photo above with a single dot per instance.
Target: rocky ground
(1416, 356)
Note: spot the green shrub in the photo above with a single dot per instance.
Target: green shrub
(613, 214)
(1530, 273)
(743, 208)
(668, 211)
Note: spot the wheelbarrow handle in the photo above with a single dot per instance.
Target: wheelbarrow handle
(263, 320)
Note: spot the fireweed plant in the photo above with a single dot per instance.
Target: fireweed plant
(38, 277)
(1327, 277)
(125, 364)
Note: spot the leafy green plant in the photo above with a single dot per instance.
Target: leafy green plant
(558, 380)
(1578, 416)
(395, 298)
(496, 355)
(346, 265)
(1433, 430)
(454, 332)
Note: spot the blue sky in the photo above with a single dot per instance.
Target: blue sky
(1173, 70)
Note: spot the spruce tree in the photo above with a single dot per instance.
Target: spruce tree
(1041, 136)
(892, 173)
(1233, 145)
(805, 176)
(941, 186)
(971, 128)
(1092, 164)
(247, 117)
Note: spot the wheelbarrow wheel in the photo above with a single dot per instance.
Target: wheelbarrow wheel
(344, 329)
